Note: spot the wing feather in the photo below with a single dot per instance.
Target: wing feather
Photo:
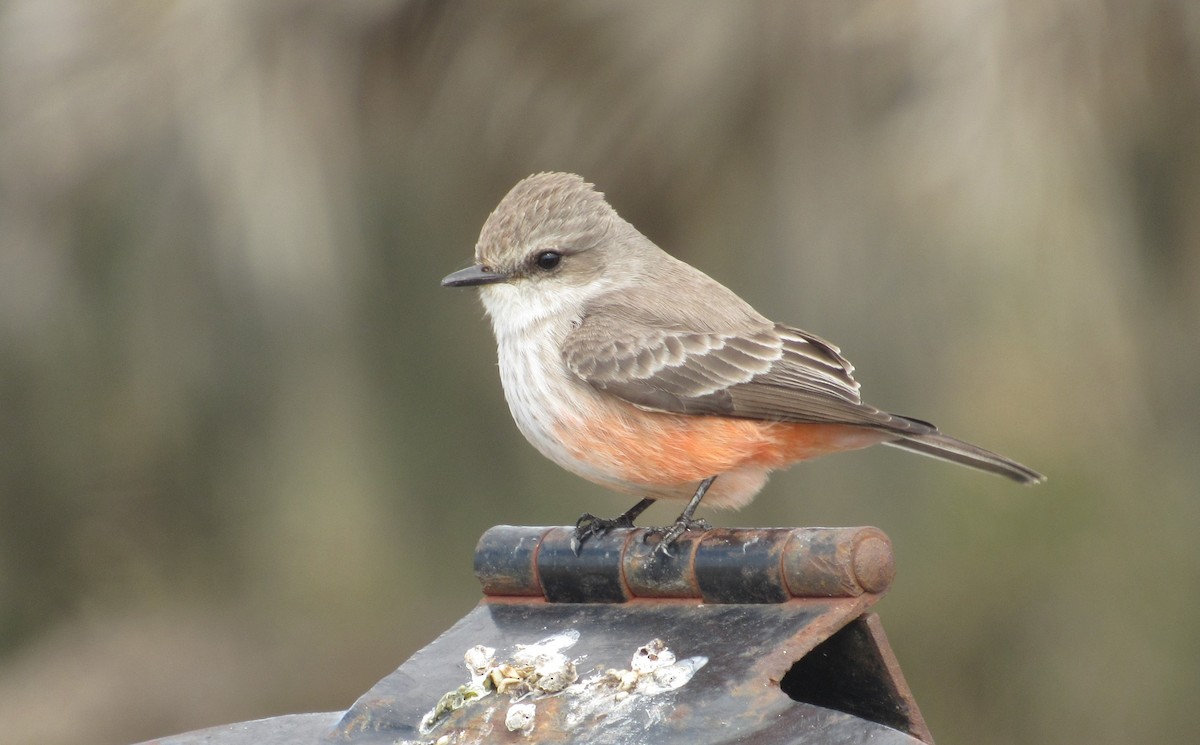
(760, 371)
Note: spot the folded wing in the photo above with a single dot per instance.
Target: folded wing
(760, 371)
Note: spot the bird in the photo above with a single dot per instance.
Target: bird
(639, 372)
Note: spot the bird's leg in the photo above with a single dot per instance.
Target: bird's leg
(588, 525)
(685, 521)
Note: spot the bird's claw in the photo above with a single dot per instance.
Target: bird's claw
(589, 526)
(671, 533)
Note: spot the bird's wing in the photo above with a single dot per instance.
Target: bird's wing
(751, 370)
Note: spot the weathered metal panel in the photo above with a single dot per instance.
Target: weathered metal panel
(739, 636)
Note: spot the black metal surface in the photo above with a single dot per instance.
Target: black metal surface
(730, 569)
(725, 565)
(733, 698)
(751, 604)
(295, 729)
(506, 561)
(836, 562)
(592, 576)
(854, 671)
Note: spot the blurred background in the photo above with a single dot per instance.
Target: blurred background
(247, 443)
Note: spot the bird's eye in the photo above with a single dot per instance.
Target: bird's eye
(548, 260)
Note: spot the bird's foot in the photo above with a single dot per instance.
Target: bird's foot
(671, 533)
(589, 526)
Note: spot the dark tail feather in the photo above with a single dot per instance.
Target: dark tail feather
(937, 445)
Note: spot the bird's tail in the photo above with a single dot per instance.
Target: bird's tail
(937, 445)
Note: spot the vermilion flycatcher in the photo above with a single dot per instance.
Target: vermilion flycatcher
(639, 372)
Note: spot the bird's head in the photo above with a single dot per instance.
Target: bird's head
(551, 244)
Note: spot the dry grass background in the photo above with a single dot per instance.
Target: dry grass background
(247, 443)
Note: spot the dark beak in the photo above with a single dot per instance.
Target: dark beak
(472, 276)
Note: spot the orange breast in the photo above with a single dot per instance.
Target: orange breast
(656, 448)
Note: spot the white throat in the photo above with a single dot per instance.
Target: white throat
(520, 311)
